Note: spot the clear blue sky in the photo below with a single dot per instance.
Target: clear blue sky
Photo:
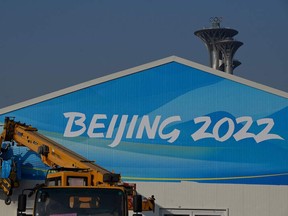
(49, 45)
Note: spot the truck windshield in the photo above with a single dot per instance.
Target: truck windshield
(79, 202)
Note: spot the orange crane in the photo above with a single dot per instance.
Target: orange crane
(74, 184)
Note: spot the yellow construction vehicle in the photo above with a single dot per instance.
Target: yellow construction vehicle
(74, 186)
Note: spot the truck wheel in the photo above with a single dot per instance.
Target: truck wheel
(8, 201)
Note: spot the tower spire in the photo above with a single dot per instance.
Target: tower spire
(220, 44)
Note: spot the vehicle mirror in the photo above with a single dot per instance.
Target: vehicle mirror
(137, 203)
(111, 177)
(43, 197)
(22, 199)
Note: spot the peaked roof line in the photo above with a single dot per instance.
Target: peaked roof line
(136, 70)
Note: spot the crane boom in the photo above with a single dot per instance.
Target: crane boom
(57, 156)
(52, 153)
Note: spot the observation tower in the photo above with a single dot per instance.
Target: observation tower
(221, 45)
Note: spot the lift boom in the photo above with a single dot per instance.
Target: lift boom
(52, 154)
(66, 165)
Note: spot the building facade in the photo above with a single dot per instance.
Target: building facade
(201, 141)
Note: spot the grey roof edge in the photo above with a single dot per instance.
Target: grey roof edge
(136, 70)
(233, 78)
(87, 84)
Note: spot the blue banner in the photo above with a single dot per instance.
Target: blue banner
(169, 123)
